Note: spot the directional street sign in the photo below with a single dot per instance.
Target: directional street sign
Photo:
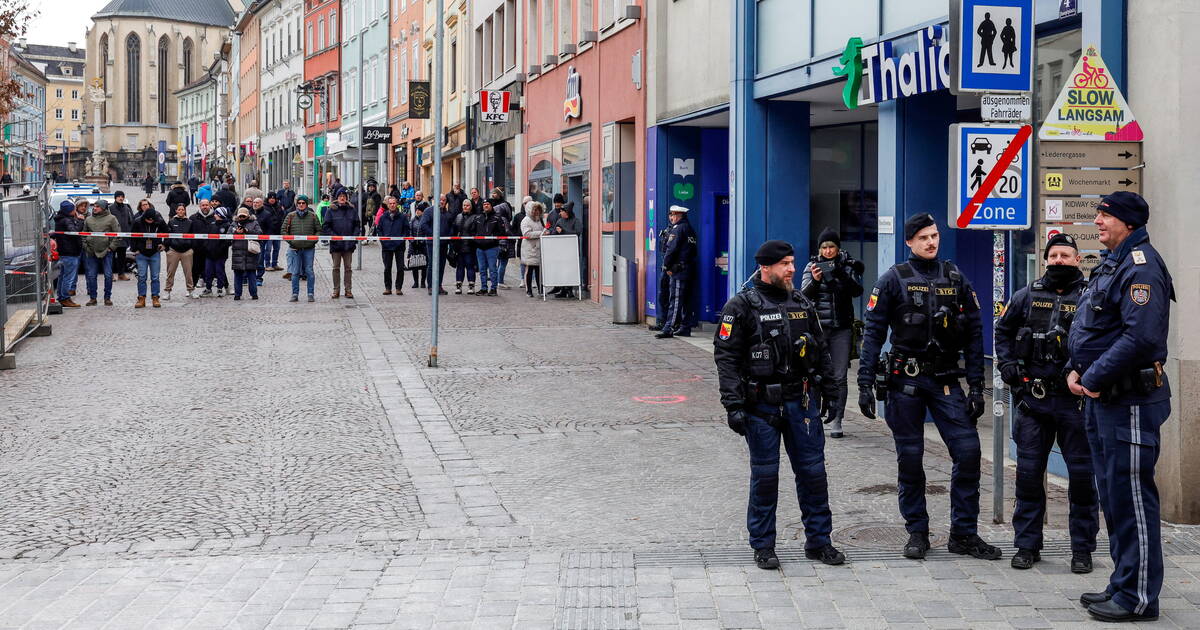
(1052, 154)
(1074, 181)
(1086, 236)
(991, 48)
(1069, 209)
(983, 166)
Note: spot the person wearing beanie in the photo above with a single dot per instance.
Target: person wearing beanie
(1031, 353)
(932, 312)
(679, 265)
(148, 257)
(1118, 350)
(124, 215)
(70, 250)
(776, 377)
(832, 280)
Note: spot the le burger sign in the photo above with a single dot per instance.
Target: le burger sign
(376, 135)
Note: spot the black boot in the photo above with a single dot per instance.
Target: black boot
(766, 558)
(1025, 558)
(827, 554)
(917, 545)
(973, 546)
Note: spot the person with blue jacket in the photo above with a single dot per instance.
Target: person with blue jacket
(393, 223)
(341, 219)
(1118, 348)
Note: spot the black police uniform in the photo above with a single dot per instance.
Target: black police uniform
(773, 364)
(933, 314)
(679, 257)
(1118, 345)
(1031, 351)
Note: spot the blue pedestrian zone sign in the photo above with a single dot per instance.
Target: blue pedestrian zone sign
(975, 152)
(994, 45)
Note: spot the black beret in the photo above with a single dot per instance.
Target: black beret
(772, 252)
(916, 223)
(829, 235)
(1126, 206)
(1059, 239)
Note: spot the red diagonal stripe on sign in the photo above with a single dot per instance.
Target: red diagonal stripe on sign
(985, 189)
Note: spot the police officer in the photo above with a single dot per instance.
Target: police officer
(933, 315)
(1031, 350)
(1117, 349)
(679, 264)
(775, 377)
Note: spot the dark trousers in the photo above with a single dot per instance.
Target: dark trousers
(1125, 446)
(120, 262)
(241, 277)
(840, 341)
(199, 262)
(1034, 432)
(677, 318)
(396, 256)
(441, 271)
(804, 439)
(908, 401)
(214, 269)
(531, 272)
(467, 263)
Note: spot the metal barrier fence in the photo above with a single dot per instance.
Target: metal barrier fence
(29, 271)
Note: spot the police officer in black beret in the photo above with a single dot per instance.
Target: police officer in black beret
(1117, 348)
(1031, 350)
(933, 314)
(776, 378)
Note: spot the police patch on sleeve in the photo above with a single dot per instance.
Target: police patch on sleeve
(1140, 294)
(976, 298)
(873, 300)
(726, 330)
(1139, 257)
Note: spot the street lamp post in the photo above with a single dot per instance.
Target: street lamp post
(362, 189)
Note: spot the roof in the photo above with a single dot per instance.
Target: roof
(210, 12)
(54, 69)
(43, 51)
(198, 82)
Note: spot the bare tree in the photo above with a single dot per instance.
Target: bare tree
(14, 21)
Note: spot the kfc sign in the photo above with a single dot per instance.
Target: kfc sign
(494, 105)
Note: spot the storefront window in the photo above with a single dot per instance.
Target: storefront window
(784, 33)
(510, 168)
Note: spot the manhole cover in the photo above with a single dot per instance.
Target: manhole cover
(879, 536)
(890, 488)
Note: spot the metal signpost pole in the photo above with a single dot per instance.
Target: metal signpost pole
(362, 189)
(436, 243)
(999, 394)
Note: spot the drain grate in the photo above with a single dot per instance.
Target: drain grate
(598, 592)
(890, 488)
(880, 536)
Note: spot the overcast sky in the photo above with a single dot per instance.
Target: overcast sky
(62, 21)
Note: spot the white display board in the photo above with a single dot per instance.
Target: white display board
(560, 260)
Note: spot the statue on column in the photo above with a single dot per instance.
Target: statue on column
(98, 166)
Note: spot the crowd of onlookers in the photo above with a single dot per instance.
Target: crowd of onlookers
(215, 208)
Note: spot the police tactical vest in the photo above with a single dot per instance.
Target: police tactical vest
(931, 319)
(785, 341)
(1048, 319)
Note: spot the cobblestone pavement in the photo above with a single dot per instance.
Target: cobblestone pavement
(258, 464)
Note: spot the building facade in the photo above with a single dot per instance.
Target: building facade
(454, 94)
(282, 61)
(65, 89)
(365, 54)
(247, 35)
(142, 52)
(197, 118)
(24, 140)
(405, 33)
(495, 65)
(322, 75)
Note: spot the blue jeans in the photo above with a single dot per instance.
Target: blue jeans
(804, 438)
(503, 266)
(467, 263)
(244, 277)
(304, 266)
(270, 253)
(487, 259)
(91, 267)
(145, 263)
(68, 276)
(908, 400)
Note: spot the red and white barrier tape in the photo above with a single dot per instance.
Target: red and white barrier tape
(13, 272)
(279, 237)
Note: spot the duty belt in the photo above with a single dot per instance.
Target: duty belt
(1142, 381)
(777, 393)
(915, 366)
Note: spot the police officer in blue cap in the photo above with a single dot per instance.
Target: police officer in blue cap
(1117, 348)
(933, 314)
(1031, 350)
(776, 378)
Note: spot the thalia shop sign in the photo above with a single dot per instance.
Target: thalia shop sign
(874, 73)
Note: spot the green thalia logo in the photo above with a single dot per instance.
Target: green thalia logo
(852, 67)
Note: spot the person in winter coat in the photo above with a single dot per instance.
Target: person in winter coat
(270, 220)
(369, 201)
(419, 225)
(514, 228)
(832, 280)
(210, 221)
(286, 197)
(226, 198)
(200, 220)
(446, 228)
(148, 258)
(70, 248)
(179, 251)
(567, 223)
(124, 215)
(456, 196)
(244, 262)
(177, 195)
(532, 229)
(467, 262)
(253, 191)
(323, 206)
(6, 181)
(193, 183)
(204, 192)
(507, 247)
(148, 183)
(393, 223)
(487, 250)
(302, 221)
(98, 252)
(162, 183)
(342, 220)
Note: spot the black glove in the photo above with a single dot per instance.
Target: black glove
(975, 404)
(866, 402)
(736, 419)
(1010, 373)
(827, 408)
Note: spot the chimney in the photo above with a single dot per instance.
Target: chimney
(21, 42)
(71, 46)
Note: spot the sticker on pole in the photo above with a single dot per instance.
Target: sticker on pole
(989, 186)
(1090, 106)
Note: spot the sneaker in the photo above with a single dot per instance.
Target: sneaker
(766, 558)
(311, 298)
(504, 286)
(917, 545)
(686, 332)
(237, 298)
(973, 546)
(471, 289)
(166, 296)
(441, 292)
(220, 292)
(654, 328)
(295, 298)
(492, 293)
(192, 294)
(827, 554)
(666, 334)
(206, 293)
(260, 282)
(1025, 559)
(458, 289)
(253, 297)
(1081, 562)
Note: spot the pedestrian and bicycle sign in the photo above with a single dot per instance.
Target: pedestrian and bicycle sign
(992, 45)
(989, 182)
(1091, 106)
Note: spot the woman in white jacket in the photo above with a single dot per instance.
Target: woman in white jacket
(532, 228)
